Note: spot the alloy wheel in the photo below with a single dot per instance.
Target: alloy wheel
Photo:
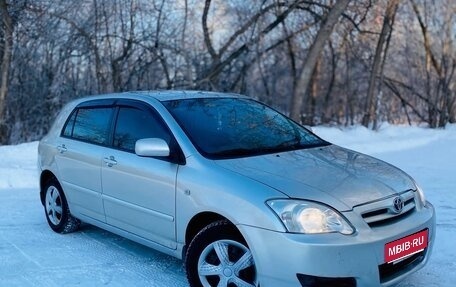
(226, 263)
(53, 203)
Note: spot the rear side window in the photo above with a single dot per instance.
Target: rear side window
(89, 125)
(134, 124)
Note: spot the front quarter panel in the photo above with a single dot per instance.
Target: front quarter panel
(205, 187)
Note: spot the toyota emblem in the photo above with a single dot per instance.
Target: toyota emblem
(398, 204)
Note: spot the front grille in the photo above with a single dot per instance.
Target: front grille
(391, 220)
(383, 212)
(389, 271)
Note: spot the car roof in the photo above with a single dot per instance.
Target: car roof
(167, 95)
(162, 96)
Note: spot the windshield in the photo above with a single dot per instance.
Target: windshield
(234, 127)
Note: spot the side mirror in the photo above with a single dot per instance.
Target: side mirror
(153, 147)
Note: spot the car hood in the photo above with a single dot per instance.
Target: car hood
(331, 174)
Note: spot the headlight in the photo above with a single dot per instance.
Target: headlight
(421, 196)
(300, 216)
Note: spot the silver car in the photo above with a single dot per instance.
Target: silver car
(244, 195)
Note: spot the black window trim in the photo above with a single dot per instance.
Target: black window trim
(74, 113)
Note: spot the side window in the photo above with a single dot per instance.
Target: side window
(134, 124)
(92, 125)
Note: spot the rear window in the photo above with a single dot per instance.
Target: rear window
(89, 125)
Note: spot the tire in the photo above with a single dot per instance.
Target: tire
(56, 209)
(219, 256)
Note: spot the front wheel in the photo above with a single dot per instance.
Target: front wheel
(56, 208)
(218, 256)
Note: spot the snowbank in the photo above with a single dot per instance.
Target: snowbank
(18, 166)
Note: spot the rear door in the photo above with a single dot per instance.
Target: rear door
(83, 141)
(139, 192)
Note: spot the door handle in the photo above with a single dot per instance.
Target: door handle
(110, 161)
(62, 148)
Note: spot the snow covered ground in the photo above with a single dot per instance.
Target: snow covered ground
(32, 255)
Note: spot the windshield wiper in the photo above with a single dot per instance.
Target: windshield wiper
(244, 152)
(293, 145)
(236, 152)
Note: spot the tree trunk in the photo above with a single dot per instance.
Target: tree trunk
(315, 90)
(431, 62)
(5, 66)
(377, 67)
(326, 115)
(315, 50)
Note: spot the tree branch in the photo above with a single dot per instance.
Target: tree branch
(207, 38)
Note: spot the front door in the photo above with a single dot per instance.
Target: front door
(139, 192)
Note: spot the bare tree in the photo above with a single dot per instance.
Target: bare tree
(441, 94)
(377, 66)
(317, 46)
(219, 58)
(294, 54)
(8, 29)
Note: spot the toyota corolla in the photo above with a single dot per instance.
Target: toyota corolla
(244, 195)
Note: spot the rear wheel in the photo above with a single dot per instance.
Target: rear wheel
(218, 256)
(56, 208)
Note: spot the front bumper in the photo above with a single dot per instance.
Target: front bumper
(281, 258)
